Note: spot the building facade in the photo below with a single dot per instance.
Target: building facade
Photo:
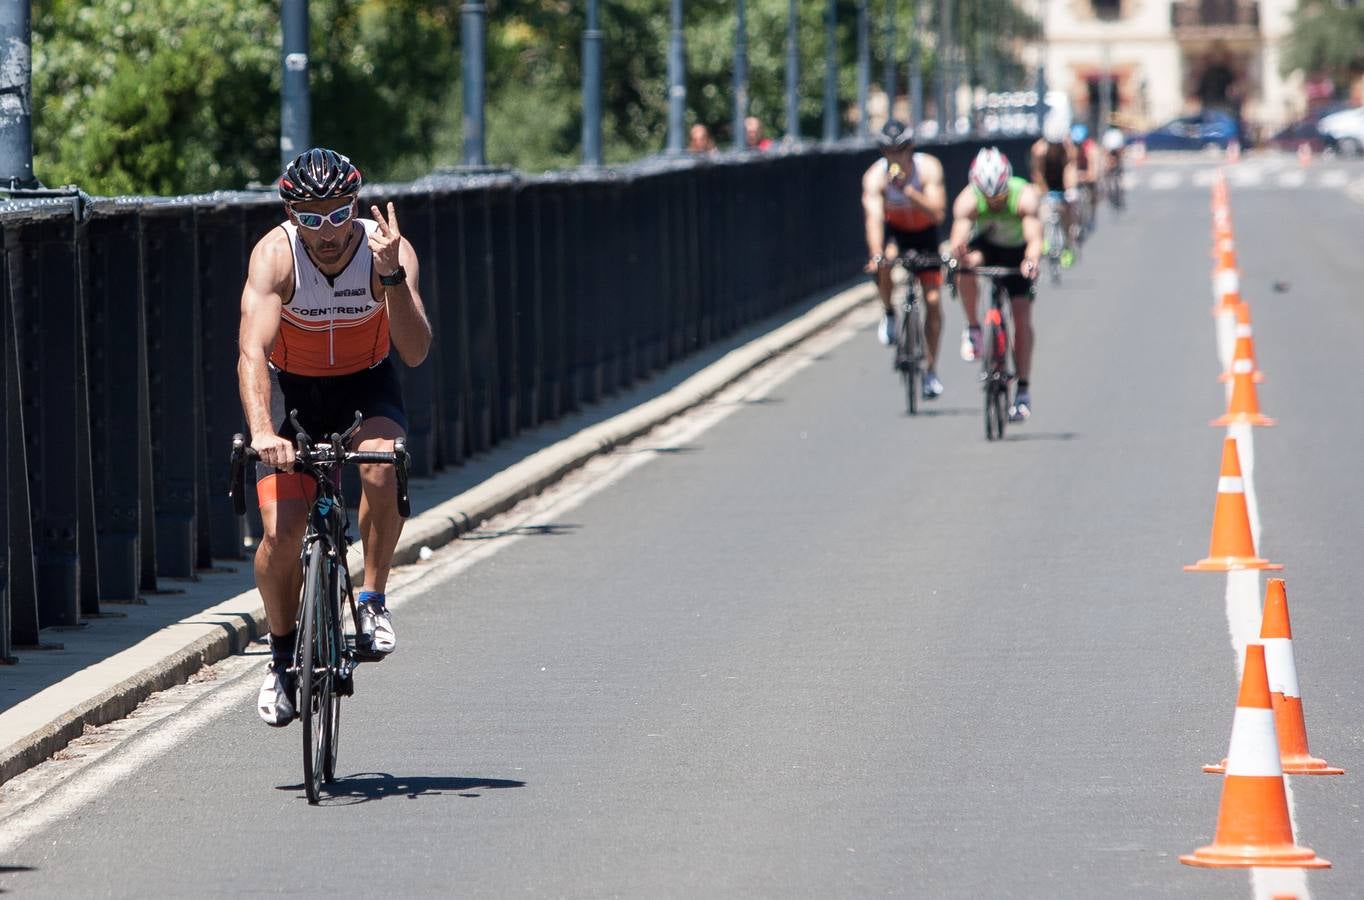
(1166, 58)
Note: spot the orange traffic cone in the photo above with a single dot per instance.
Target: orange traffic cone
(1244, 406)
(1232, 546)
(1221, 225)
(1277, 636)
(1253, 827)
(1304, 153)
(1224, 251)
(1226, 284)
(1243, 359)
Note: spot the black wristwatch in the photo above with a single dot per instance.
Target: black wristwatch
(398, 277)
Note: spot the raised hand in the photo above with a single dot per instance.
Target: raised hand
(385, 241)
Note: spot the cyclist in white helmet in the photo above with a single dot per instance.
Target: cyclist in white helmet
(996, 223)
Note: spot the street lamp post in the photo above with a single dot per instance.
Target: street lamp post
(295, 118)
(592, 88)
(16, 90)
(740, 76)
(863, 66)
(830, 73)
(792, 74)
(916, 67)
(889, 66)
(472, 41)
(677, 86)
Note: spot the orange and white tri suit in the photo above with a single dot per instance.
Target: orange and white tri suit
(908, 226)
(330, 359)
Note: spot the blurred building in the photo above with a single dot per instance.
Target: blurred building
(1167, 58)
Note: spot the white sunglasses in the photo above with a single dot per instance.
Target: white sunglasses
(313, 221)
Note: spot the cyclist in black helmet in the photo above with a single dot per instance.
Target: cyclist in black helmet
(327, 294)
(904, 203)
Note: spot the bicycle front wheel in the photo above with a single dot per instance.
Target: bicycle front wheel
(911, 346)
(314, 671)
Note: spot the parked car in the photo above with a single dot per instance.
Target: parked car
(1346, 129)
(1210, 128)
(1304, 130)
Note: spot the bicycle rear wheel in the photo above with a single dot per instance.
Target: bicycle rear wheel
(911, 346)
(995, 375)
(315, 671)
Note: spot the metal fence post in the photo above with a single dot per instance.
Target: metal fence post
(740, 75)
(171, 289)
(43, 272)
(677, 82)
(863, 67)
(792, 73)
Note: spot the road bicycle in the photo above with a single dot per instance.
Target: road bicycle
(910, 357)
(1054, 234)
(1112, 184)
(328, 649)
(996, 370)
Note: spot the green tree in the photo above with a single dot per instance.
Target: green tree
(1326, 36)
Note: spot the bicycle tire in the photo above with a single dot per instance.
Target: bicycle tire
(331, 716)
(913, 370)
(1001, 394)
(313, 691)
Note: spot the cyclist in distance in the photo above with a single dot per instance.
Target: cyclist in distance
(326, 295)
(1113, 144)
(904, 202)
(1054, 170)
(996, 223)
(1087, 165)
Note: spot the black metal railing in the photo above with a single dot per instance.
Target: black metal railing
(119, 325)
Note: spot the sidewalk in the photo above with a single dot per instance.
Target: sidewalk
(110, 664)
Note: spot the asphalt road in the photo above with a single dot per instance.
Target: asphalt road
(812, 647)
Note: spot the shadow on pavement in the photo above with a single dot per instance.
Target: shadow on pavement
(366, 786)
(7, 870)
(549, 529)
(1043, 436)
(935, 412)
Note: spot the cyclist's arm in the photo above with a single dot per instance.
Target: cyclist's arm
(932, 199)
(963, 221)
(1070, 176)
(268, 280)
(874, 207)
(1038, 158)
(408, 327)
(1029, 205)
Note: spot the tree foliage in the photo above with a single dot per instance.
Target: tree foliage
(1326, 36)
(176, 96)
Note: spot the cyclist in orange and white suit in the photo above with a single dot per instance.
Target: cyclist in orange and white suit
(904, 202)
(326, 296)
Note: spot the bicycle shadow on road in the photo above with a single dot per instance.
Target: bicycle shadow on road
(9, 870)
(935, 412)
(549, 529)
(1042, 436)
(363, 787)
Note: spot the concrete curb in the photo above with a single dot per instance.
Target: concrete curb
(32, 731)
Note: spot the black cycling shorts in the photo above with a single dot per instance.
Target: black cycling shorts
(925, 241)
(995, 255)
(328, 404)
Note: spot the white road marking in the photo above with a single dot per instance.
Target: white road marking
(1292, 179)
(1243, 622)
(1164, 181)
(46, 794)
(1336, 178)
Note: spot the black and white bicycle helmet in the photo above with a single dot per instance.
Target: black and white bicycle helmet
(319, 174)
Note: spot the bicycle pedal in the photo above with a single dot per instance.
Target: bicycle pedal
(345, 687)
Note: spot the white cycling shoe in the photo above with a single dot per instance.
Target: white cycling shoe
(275, 702)
(376, 628)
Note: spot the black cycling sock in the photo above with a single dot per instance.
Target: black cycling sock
(1022, 384)
(282, 647)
